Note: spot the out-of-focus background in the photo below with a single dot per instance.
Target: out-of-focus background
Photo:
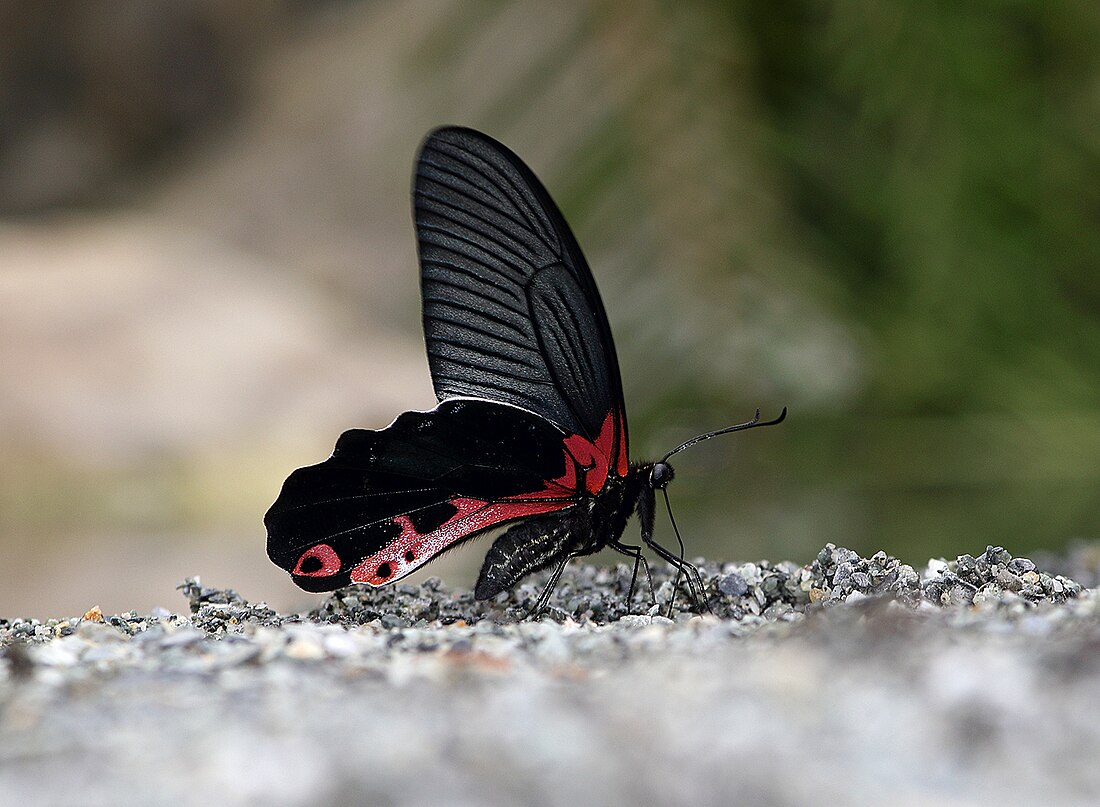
(882, 215)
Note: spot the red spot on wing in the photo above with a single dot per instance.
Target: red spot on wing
(319, 553)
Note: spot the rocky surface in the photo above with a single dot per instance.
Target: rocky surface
(848, 681)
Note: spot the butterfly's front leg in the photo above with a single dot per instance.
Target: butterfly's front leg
(633, 551)
(646, 509)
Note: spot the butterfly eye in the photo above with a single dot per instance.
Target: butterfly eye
(318, 561)
(660, 476)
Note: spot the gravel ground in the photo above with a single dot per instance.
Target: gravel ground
(849, 681)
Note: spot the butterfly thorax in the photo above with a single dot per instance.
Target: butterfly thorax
(611, 507)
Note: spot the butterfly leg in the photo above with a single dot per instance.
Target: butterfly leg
(632, 551)
(691, 574)
(548, 590)
(645, 509)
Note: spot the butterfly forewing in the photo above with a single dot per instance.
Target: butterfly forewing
(511, 312)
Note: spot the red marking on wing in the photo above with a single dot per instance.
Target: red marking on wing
(623, 463)
(473, 515)
(325, 555)
(592, 460)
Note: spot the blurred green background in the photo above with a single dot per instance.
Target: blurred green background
(883, 215)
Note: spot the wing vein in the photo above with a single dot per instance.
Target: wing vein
(495, 335)
(515, 193)
(480, 312)
(454, 284)
(452, 342)
(458, 232)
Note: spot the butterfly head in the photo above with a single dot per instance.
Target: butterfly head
(660, 475)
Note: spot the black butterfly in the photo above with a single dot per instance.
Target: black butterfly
(530, 427)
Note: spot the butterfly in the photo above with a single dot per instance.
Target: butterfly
(530, 430)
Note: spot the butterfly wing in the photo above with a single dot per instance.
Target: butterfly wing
(388, 501)
(511, 312)
(531, 415)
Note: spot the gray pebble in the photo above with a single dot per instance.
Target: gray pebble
(733, 585)
(393, 622)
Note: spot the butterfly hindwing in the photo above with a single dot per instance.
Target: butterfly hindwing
(388, 501)
(511, 312)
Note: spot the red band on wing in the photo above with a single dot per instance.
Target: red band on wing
(623, 463)
(583, 458)
(411, 549)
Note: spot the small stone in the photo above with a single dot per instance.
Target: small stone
(842, 574)
(777, 611)
(339, 645)
(100, 633)
(1021, 565)
(394, 622)
(956, 595)
(577, 605)
(936, 566)
(907, 576)
(770, 585)
(733, 585)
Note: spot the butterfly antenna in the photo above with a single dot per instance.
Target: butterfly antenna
(750, 424)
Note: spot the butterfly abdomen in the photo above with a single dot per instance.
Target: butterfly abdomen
(531, 546)
(587, 527)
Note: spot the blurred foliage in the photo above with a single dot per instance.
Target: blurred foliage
(941, 163)
(943, 158)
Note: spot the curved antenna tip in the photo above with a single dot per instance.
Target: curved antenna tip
(750, 424)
